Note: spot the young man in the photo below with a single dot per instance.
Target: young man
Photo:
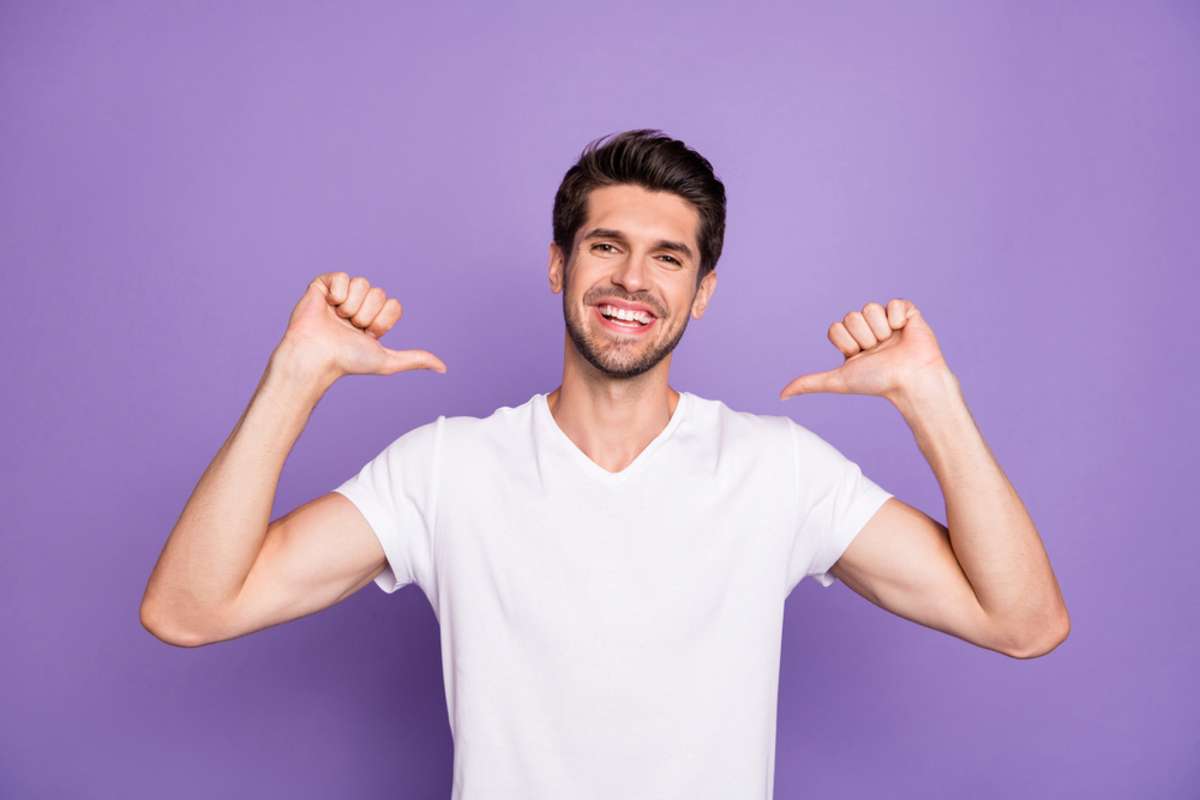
(609, 561)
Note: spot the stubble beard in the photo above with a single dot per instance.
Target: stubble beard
(622, 359)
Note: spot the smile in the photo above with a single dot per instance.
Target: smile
(629, 328)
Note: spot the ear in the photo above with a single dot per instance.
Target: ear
(707, 286)
(555, 268)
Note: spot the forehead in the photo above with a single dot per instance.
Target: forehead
(642, 214)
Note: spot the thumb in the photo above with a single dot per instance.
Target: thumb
(828, 381)
(403, 360)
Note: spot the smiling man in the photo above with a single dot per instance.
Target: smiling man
(620, 337)
(609, 561)
(630, 279)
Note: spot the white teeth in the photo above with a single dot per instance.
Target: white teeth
(627, 315)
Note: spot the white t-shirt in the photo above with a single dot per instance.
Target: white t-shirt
(611, 635)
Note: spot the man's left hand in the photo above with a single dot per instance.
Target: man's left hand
(886, 351)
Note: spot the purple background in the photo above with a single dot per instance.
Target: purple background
(174, 174)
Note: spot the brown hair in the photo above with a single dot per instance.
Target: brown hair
(650, 159)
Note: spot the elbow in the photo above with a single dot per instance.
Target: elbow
(160, 628)
(1048, 638)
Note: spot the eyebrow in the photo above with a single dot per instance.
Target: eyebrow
(661, 244)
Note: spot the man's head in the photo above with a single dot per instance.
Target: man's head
(639, 220)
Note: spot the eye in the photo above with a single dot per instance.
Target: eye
(603, 244)
(674, 260)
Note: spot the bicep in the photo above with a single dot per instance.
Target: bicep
(902, 561)
(313, 557)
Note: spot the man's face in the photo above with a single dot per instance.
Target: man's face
(637, 248)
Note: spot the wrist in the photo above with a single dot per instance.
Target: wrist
(298, 370)
(928, 389)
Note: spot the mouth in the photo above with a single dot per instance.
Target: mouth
(627, 327)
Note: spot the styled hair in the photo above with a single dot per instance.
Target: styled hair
(656, 162)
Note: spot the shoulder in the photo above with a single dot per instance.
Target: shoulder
(717, 412)
(743, 431)
(769, 433)
(773, 426)
(500, 425)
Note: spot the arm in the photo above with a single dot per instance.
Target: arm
(224, 570)
(986, 578)
(222, 527)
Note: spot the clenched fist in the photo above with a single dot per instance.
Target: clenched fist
(335, 328)
(887, 351)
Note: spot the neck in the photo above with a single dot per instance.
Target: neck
(612, 419)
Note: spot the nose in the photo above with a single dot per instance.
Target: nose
(631, 273)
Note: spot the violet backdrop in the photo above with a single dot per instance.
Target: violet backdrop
(173, 174)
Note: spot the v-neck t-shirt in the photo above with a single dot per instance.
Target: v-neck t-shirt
(611, 634)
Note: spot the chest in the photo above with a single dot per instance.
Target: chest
(654, 565)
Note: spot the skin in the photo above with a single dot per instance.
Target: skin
(986, 578)
(614, 398)
(227, 570)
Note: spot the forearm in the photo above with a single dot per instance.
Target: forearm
(993, 536)
(221, 529)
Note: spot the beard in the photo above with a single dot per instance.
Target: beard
(612, 356)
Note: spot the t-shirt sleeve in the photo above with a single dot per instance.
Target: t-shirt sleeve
(836, 502)
(397, 493)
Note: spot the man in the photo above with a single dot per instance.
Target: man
(609, 561)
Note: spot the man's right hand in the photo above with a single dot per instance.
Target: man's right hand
(334, 330)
